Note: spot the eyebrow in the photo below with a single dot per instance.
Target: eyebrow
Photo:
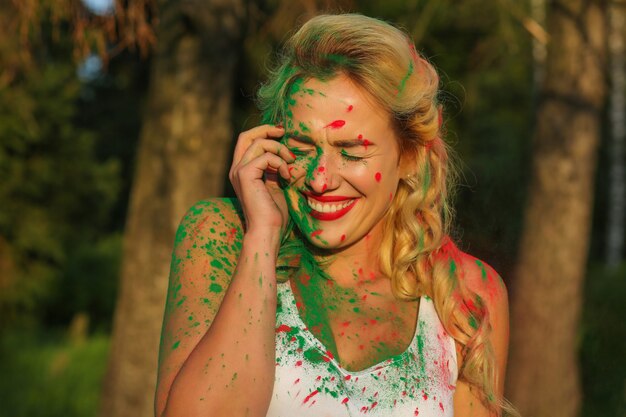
(352, 143)
(344, 143)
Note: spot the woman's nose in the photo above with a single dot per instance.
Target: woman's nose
(321, 175)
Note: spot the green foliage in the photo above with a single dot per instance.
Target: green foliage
(46, 375)
(55, 194)
(603, 349)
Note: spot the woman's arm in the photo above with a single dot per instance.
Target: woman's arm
(484, 281)
(218, 332)
(217, 349)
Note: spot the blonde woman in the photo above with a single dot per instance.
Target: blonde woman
(330, 287)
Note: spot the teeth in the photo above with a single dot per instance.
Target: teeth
(328, 207)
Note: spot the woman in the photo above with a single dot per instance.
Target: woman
(330, 287)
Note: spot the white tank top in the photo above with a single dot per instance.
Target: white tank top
(310, 382)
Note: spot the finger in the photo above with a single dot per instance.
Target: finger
(256, 168)
(246, 138)
(258, 148)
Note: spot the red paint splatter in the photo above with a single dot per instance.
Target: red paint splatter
(417, 412)
(296, 381)
(324, 187)
(364, 409)
(321, 169)
(425, 396)
(316, 232)
(343, 237)
(345, 323)
(305, 279)
(311, 395)
(360, 137)
(361, 347)
(319, 377)
(441, 406)
(299, 363)
(345, 400)
(390, 196)
(378, 176)
(350, 107)
(283, 328)
(373, 321)
(347, 377)
(366, 143)
(374, 404)
(337, 124)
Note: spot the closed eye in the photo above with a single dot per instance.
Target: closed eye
(348, 157)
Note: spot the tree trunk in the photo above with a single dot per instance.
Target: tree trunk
(182, 158)
(546, 297)
(617, 181)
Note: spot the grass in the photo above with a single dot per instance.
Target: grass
(44, 374)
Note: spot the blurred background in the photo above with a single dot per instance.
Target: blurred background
(116, 116)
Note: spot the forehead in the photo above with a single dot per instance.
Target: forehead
(321, 102)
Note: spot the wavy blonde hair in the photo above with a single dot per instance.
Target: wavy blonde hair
(416, 252)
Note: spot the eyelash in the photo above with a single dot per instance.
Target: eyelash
(345, 155)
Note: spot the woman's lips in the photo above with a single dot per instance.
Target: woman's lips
(320, 208)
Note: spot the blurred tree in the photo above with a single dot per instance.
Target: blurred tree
(55, 193)
(617, 180)
(183, 153)
(543, 372)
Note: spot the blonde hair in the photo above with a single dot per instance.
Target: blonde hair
(416, 252)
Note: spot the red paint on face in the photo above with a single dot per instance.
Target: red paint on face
(390, 196)
(299, 363)
(350, 107)
(378, 176)
(417, 412)
(337, 124)
(345, 323)
(343, 237)
(321, 169)
(305, 279)
(324, 187)
(345, 400)
(316, 232)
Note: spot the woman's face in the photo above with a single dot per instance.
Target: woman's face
(347, 164)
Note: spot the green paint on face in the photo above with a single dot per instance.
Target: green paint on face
(176, 344)
(216, 264)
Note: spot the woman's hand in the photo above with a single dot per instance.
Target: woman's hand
(257, 161)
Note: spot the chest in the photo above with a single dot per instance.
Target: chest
(360, 327)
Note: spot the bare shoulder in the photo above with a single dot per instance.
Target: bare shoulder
(483, 280)
(218, 219)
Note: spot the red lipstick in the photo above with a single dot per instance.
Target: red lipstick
(330, 215)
